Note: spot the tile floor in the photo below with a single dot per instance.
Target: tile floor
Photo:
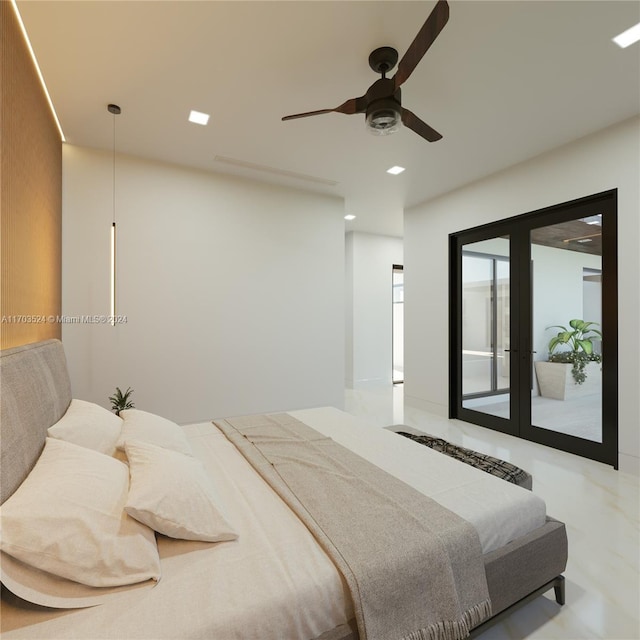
(578, 416)
(600, 507)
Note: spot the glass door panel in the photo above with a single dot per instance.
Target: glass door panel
(503, 313)
(566, 260)
(485, 327)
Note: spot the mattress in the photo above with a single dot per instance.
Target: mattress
(500, 511)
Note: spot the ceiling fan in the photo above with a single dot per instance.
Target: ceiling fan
(382, 102)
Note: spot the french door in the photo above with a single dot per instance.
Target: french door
(520, 288)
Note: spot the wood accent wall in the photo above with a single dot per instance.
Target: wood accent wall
(31, 196)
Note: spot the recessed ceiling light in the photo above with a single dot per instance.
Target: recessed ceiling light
(198, 117)
(395, 170)
(628, 37)
(350, 216)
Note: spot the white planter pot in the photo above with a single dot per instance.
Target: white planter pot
(555, 380)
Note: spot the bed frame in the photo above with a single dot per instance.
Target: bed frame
(35, 392)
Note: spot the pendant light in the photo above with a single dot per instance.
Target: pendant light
(115, 110)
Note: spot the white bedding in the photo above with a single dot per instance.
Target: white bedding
(500, 511)
(275, 582)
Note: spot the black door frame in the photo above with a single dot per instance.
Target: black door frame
(518, 229)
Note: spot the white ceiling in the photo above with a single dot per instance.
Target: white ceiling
(504, 81)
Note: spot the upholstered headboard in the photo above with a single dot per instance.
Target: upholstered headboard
(35, 392)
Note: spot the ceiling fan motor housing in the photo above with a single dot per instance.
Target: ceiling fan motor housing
(384, 110)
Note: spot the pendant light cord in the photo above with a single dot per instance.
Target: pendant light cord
(113, 199)
(115, 110)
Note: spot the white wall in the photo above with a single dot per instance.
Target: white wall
(233, 289)
(369, 263)
(606, 160)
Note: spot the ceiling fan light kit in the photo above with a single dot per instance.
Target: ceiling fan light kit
(383, 120)
(382, 103)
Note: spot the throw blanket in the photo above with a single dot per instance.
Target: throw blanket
(414, 569)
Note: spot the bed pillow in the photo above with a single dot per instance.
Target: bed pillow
(171, 493)
(148, 427)
(68, 518)
(88, 425)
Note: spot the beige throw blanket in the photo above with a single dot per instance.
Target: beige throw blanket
(414, 569)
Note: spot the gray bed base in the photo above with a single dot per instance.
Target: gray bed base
(35, 392)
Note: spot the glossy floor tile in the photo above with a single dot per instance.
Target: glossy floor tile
(599, 506)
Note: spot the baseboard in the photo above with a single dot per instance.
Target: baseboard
(628, 464)
(425, 405)
(369, 383)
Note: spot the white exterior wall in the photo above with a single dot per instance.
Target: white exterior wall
(558, 292)
(606, 160)
(233, 289)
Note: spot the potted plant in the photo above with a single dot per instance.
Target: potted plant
(120, 401)
(579, 341)
(572, 346)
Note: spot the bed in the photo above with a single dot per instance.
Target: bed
(277, 576)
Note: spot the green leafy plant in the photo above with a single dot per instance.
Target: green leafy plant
(575, 345)
(120, 401)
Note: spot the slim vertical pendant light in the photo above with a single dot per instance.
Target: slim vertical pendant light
(115, 110)
(112, 310)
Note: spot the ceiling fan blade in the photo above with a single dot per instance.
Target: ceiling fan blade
(425, 38)
(308, 113)
(354, 105)
(411, 120)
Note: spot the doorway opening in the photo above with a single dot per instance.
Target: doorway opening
(397, 324)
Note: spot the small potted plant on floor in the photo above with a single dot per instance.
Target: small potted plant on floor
(571, 347)
(121, 401)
